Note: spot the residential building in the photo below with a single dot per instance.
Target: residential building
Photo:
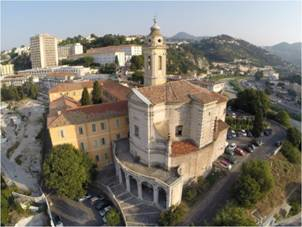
(16, 80)
(217, 87)
(54, 78)
(91, 128)
(176, 132)
(69, 50)
(6, 69)
(269, 73)
(44, 52)
(109, 54)
(42, 72)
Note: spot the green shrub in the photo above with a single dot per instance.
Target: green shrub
(113, 217)
(173, 216)
(291, 153)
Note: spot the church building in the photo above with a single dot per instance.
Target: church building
(176, 131)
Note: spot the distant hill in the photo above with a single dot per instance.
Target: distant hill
(221, 48)
(288, 52)
(181, 36)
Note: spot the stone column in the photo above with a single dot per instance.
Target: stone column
(139, 189)
(127, 182)
(155, 194)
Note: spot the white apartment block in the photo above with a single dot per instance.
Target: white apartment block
(42, 72)
(69, 50)
(7, 69)
(107, 55)
(44, 51)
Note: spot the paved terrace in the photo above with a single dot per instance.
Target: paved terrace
(136, 212)
(124, 156)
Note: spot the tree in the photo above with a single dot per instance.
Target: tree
(108, 68)
(96, 93)
(173, 215)
(85, 99)
(137, 62)
(232, 215)
(116, 61)
(283, 118)
(246, 191)
(291, 153)
(251, 100)
(138, 76)
(258, 124)
(113, 217)
(259, 170)
(294, 136)
(67, 171)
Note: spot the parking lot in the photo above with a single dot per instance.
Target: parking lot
(75, 213)
(205, 209)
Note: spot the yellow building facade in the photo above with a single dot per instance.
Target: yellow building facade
(90, 128)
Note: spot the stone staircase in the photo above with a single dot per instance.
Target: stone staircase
(136, 212)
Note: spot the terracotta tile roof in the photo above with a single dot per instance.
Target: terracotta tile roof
(183, 147)
(112, 87)
(89, 113)
(115, 89)
(178, 91)
(71, 86)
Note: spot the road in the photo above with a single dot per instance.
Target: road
(204, 210)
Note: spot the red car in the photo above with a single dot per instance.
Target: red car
(239, 151)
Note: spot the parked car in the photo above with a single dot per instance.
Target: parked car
(232, 146)
(239, 151)
(230, 158)
(104, 220)
(258, 142)
(229, 151)
(249, 149)
(249, 133)
(243, 132)
(87, 196)
(100, 204)
(268, 132)
(278, 143)
(94, 199)
(57, 220)
(225, 164)
(105, 210)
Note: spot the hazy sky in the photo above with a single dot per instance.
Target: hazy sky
(259, 22)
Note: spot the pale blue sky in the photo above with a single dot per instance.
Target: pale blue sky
(261, 23)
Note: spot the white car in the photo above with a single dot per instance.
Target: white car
(232, 146)
(243, 132)
(104, 211)
(84, 198)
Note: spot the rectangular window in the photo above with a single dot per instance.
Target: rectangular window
(117, 123)
(93, 127)
(97, 158)
(82, 145)
(103, 126)
(160, 64)
(136, 131)
(178, 130)
(103, 141)
(81, 132)
(62, 133)
(149, 62)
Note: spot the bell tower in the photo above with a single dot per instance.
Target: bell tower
(154, 51)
